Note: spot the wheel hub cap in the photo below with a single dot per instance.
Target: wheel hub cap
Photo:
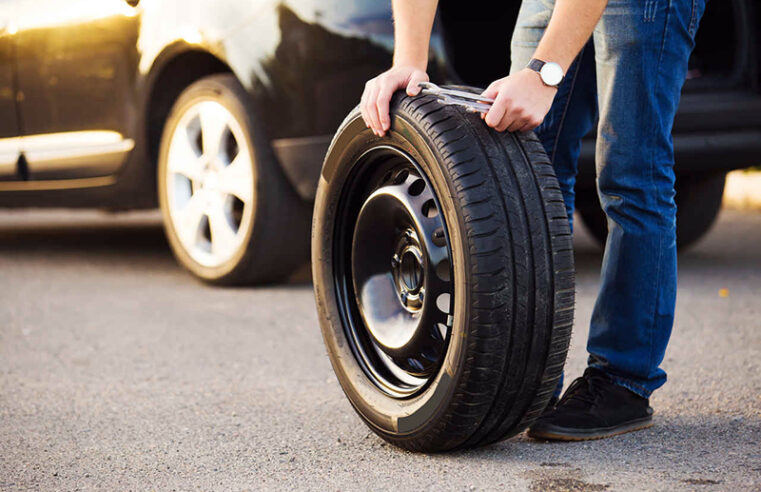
(210, 183)
(409, 272)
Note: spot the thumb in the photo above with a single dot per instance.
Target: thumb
(413, 89)
(491, 91)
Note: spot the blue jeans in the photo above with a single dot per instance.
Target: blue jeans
(630, 75)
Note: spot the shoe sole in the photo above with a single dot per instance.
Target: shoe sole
(557, 433)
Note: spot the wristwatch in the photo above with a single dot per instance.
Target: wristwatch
(550, 72)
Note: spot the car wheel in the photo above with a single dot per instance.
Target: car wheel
(698, 201)
(229, 214)
(443, 273)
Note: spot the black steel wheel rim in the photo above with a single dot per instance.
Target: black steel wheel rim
(393, 271)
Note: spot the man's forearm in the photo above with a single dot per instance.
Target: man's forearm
(413, 21)
(569, 29)
(521, 100)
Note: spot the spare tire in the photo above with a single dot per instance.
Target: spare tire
(443, 274)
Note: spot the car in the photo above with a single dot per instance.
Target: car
(220, 113)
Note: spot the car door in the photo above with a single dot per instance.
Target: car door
(9, 147)
(77, 61)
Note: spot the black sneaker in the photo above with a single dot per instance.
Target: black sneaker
(550, 406)
(593, 407)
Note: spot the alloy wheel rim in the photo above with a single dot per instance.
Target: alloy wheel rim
(394, 274)
(210, 183)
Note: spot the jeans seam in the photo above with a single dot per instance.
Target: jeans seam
(567, 104)
(693, 18)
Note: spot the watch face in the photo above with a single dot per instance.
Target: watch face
(551, 73)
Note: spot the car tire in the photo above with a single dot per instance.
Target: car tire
(229, 213)
(698, 201)
(483, 214)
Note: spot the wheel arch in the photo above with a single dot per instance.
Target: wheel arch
(174, 70)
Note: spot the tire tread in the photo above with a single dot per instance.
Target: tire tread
(521, 275)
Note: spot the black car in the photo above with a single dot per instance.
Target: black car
(221, 112)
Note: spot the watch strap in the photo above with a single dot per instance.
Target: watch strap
(536, 64)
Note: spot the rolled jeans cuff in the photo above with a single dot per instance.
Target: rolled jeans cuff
(632, 386)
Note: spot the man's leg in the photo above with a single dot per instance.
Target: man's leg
(641, 55)
(574, 109)
(641, 52)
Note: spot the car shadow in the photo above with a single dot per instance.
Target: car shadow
(98, 238)
(137, 238)
(113, 240)
(92, 237)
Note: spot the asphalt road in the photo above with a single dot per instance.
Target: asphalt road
(118, 371)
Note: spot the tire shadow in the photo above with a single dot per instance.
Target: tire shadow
(690, 450)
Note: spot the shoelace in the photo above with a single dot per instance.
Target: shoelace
(584, 389)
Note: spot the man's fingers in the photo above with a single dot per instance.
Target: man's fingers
(363, 105)
(381, 105)
(516, 125)
(496, 112)
(515, 120)
(529, 125)
(491, 91)
(520, 104)
(413, 89)
(372, 110)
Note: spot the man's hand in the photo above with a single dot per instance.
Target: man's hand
(521, 101)
(378, 92)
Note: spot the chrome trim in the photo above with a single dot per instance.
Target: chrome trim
(9, 155)
(97, 151)
(57, 184)
(66, 156)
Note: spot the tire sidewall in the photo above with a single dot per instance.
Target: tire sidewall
(208, 89)
(391, 417)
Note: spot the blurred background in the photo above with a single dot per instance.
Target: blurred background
(147, 142)
(220, 113)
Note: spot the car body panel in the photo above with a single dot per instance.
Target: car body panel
(9, 131)
(74, 63)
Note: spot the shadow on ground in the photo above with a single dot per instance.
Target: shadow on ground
(122, 239)
(115, 237)
(690, 449)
